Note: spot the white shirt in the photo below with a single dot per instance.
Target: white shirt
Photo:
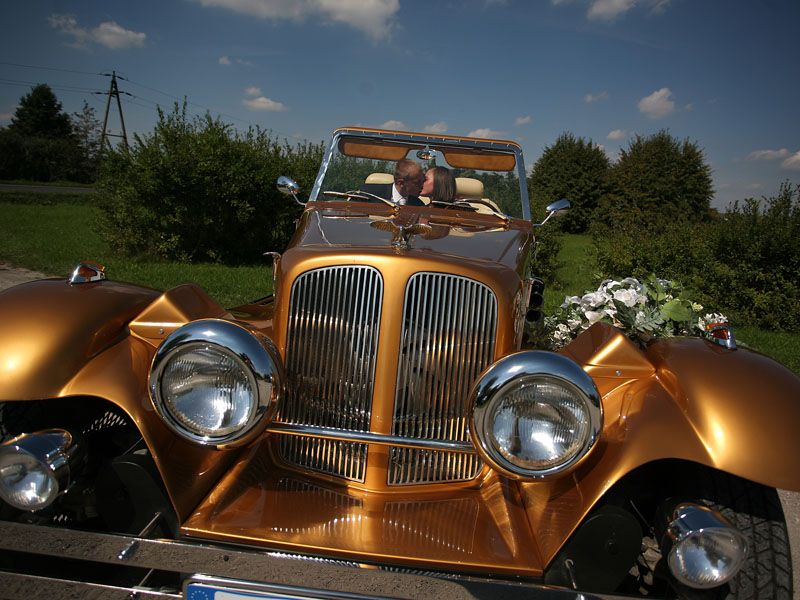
(397, 197)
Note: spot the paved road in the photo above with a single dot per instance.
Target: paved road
(10, 276)
(47, 189)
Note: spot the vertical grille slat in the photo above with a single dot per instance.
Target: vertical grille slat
(448, 338)
(332, 340)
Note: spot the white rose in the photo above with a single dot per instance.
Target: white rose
(632, 283)
(594, 299)
(627, 297)
(573, 324)
(594, 316)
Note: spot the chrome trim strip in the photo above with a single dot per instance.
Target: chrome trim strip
(253, 564)
(369, 438)
(448, 338)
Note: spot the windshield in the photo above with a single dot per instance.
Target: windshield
(363, 170)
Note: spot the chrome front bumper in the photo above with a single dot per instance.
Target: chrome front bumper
(327, 578)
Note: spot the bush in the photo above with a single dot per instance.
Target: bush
(197, 190)
(746, 261)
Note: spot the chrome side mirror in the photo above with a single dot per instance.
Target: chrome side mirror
(555, 208)
(289, 187)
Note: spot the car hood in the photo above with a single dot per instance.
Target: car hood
(452, 234)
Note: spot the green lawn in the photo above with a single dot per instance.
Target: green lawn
(53, 237)
(52, 232)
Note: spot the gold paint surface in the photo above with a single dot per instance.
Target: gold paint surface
(51, 329)
(260, 503)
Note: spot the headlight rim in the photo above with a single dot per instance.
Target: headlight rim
(531, 365)
(256, 353)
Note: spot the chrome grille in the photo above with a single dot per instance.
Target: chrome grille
(332, 341)
(448, 338)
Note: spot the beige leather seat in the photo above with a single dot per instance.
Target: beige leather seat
(468, 187)
(383, 178)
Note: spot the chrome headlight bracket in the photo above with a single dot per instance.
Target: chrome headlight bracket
(252, 351)
(525, 368)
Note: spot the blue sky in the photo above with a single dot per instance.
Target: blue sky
(725, 73)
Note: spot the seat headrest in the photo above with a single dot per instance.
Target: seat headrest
(467, 187)
(380, 178)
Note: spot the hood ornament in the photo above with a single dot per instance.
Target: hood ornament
(401, 234)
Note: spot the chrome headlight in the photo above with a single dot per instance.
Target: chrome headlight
(535, 414)
(703, 549)
(36, 467)
(216, 383)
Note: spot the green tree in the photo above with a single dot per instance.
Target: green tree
(40, 114)
(659, 177)
(571, 168)
(88, 131)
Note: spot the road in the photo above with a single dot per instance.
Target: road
(10, 276)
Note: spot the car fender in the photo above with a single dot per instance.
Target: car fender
(98, 340)
(51, 330)
(682, 398)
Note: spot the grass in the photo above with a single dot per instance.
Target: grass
(52, 232)
(53, 237)
(46, 183)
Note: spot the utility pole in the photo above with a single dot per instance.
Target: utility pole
(113, 90)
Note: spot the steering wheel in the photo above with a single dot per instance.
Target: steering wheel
(468, 204)
(358, 195)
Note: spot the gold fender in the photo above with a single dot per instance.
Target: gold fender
(683, 398)
(98, 340)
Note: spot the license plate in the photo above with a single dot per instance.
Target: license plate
(203, 587)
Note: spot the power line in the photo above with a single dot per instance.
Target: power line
(63, 88)
(48, 68)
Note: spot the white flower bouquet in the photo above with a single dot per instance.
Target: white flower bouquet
(645, 310)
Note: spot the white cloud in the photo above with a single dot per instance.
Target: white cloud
(109, 33)
(264, 103)
(526, 120)
(793, 162)
(608, 10)
(485, 132)
(755, 186)
(617, 134)
(6, 116)
(252, 91)
(658, 104)
(224, 60)
(689, 107)
(768, 154)
(374, 17)
(438, 127)
(589, 98)
(393, 124)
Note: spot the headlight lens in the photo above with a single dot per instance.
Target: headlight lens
(535, 414)
(216, 383)
(208, 390)
(539, 424)
(707, 559)
(25, 482)
(36, 467)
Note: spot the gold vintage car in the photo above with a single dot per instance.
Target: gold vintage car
(381, 424)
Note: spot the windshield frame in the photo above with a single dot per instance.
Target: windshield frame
(424, 139)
